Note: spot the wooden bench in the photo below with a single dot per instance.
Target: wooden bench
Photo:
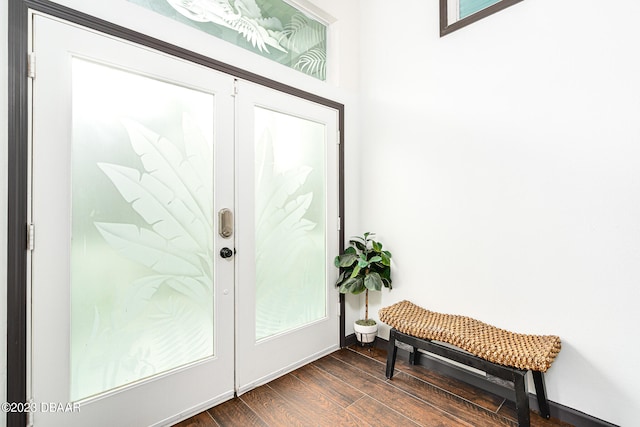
(497, 352)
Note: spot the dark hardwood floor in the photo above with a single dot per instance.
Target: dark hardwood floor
(349, 388)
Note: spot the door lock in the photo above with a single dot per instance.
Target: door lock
(225, 223)
(226, 253)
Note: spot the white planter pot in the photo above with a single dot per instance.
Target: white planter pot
(365, 334)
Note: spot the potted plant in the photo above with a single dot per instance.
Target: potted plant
(364, 267)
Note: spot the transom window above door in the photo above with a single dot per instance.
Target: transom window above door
(274, 29)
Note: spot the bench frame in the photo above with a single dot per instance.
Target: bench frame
(513, 375)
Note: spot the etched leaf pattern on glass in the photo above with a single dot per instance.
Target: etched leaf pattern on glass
(162, 319)
(290, 251)
(271, 28)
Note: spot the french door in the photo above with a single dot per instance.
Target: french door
(130, 305)
(287, 205)
(183, 225)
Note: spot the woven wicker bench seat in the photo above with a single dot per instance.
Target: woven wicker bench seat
(498, 352)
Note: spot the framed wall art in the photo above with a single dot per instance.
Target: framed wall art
(455, 14)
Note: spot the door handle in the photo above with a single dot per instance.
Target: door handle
(225, 223)
(226, 253)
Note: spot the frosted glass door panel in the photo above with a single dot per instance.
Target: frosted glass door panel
(142, 245)
(131, 308)
(287, 233)
(289, 222)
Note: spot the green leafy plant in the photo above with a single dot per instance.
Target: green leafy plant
(364, 267)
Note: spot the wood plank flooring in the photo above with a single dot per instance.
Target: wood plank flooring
(349, 388)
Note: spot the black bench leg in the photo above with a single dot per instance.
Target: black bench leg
(414, 357)
(541, 394)
(522, 399)
(392, 351)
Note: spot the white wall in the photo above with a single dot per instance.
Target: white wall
(500, 165)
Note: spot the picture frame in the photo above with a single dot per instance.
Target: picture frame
(451, 21)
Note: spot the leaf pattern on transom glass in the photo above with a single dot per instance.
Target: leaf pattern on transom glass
(271, 28)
